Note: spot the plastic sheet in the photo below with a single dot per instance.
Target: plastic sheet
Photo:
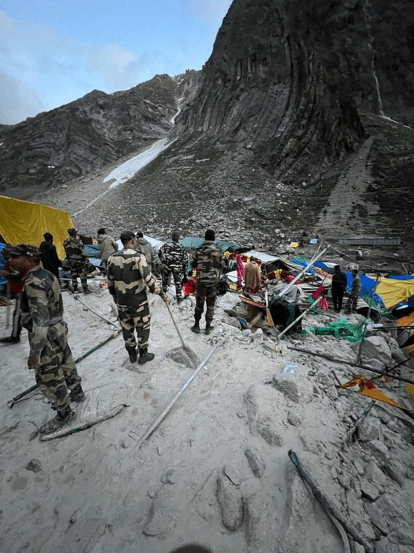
(341, 328)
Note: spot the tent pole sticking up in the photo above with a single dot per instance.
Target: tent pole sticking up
(297, 277)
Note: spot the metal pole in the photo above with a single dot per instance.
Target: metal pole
(283, 292)
(300, 316)
(365, 367)
(358, 358)
(77, 298)
(170, 405)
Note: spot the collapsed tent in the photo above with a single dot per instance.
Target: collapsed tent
(24, 222)
(394, 291)
(193, 242)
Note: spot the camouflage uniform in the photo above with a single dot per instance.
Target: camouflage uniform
(175, 258)
(78, 260)
(209, 261)
(128, 277)
(352, 303)
(41, 310)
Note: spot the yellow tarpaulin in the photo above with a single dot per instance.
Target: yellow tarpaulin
(392, 291)
(26, 222)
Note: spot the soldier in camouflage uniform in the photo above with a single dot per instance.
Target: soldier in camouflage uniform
(352, 303)
(41, 310)
(208, 259)
(78, 261)
(128, 278)
(175, 260)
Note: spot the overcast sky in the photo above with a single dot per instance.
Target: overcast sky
(55, 51)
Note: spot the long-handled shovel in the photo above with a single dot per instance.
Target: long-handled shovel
(185, 354)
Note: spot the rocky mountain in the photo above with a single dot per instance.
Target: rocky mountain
(87, 134)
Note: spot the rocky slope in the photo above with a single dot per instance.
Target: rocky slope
(87, 134)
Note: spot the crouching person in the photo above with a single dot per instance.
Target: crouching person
(128, 278)
(41, 311)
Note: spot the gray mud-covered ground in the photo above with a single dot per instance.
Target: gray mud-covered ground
(216, 471)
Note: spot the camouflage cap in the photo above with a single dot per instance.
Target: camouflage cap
(21, 250)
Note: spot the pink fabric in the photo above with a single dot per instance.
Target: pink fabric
(318, 292)
(324, 304)
(240, 270)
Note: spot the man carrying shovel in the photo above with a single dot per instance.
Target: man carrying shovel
(128, 278)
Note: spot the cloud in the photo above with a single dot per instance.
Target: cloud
(17, 102)
(38, 62)
(119, 68)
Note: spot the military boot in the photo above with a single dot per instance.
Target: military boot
(86, 290)
(77, 394)
(209, 328)
(132, 355)
(10, 340)
(144, 356)
(196, 327)
(63, 416)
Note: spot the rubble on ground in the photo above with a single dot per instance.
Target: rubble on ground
(216, 471)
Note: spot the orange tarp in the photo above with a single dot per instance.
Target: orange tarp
(367, 388)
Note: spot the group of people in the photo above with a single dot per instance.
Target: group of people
(128, 276)
(339, 284)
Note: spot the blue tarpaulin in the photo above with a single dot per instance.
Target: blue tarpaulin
(92, 251)
(302, 261)
(192, 242)
(367, 287)
(402, 277)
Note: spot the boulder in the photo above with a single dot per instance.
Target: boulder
(266, 408)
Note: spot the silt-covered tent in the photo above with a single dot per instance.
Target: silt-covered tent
(24, 222)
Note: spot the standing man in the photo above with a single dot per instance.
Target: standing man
(41, 310)
(208, 259)
(128, 278)
(339, 283)
(14, 291)
(49, 256)
(351, 305)
(175, 259)
(107, 246)
(143, 246)
(78, 260)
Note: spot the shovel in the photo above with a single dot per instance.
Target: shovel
(185, 354)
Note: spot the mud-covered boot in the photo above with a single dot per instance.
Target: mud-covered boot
(73, 289)
(132, 355)
(196, 327)
(209, 328)
(86, 290)
(144, 356)
(77, 394)
(10, 340)
(63, 417)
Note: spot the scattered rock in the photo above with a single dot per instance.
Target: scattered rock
(295, 387)
(161, 523)
(255, 461)
(230, 501)
(257, 523)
